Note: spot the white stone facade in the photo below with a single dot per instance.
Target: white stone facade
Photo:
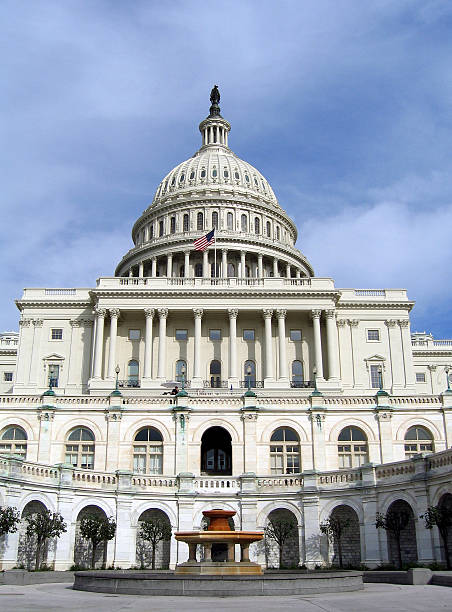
(258, 318)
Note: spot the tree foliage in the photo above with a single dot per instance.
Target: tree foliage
(280, 530)
(441, 517)
(334, 528)
(394, 521)
(155, 530)
(97, 529)
(9, 519)
(44, 526)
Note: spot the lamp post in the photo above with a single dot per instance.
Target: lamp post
(116, 392)
(182, 371)
(248, 373)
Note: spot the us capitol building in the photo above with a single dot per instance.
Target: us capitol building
(296, 399)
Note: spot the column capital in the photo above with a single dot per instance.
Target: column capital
(187, 253)
(341, 322)
(281, 313)
(267, 313)
(163, 312)
(24, 322)
(432, 368)
(198, 312)
(260, 255)
(149, 313)
(100, 312)
(233, 313)
(403, 322)
(353, 322)
(153, 258)
(75, 322)
(390, 322)
(330, 314)
(316, 314)
(114, 313)
(224, 250)
(38, 322)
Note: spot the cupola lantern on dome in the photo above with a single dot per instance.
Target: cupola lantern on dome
(214, 128)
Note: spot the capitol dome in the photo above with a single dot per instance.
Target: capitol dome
(215, 189)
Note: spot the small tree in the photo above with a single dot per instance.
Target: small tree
(97, 529)
(9, 519)
(442, 518)
(395, 521)
(334, 528)
(279, 530)
(154, 530)
(43, 526)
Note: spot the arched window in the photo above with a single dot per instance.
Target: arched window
(352, 448)
(132, 373)
(148, 451)
(231, 270)
(236, 174)
(173, 225)
(244, 223)
(214, 172)
(80, 448)
(418, 440)
(284, 451)
(160, 228)
(249, 373)
(182, 178)
(198, 270)
(269, 229)
(225, 173)
(192, 175)
(257, 225)
(185, 222)
(215, 373)
(230, 221)
(203, 173)
(215, 220)
(181, 370)
(14, 441)
(200, 221)
(297, 374)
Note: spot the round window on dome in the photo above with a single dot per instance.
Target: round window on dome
(203, 173)
(192, 175)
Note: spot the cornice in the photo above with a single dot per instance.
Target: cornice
(432, 353)
(375, 305)
(22, 304)
(245, 291)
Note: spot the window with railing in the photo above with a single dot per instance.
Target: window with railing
(215, 372)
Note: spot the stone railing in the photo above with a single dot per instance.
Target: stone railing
(439, 460)
(395, 469)
(339, 477)
(279, 483)
(154, 482)
(89, 478)
(219, 484)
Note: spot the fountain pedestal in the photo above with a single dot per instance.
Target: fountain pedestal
(219, 532)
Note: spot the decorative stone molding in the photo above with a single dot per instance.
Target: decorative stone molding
(25, 322)
(233, 313)
(198, 312)
(330, 314)
(37, 322)
(341, 322)
(403, 322)
(353, 322)
(383, 415)
(87, 322)
(100, 312)
(267, 313)
(281, 313)
(432, 368)
(316, 314)
(163, 313)
(375, 360)
(75, 322)
(391, 322)
(249, 416)
(114, 313)
(113, 416)
(149, 313)
(46, 414)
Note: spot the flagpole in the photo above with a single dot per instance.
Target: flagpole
(215, 255)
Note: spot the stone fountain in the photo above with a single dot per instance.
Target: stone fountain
(219, 532)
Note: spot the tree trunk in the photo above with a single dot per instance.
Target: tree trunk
(104, 555)
(93, 556)
(154, 546)
(399, 552)
(339, 551)
(38, 553)
(280, 556)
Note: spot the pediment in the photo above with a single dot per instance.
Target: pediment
(375, 358)
(54, 357)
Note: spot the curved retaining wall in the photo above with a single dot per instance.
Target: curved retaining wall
(147, 583)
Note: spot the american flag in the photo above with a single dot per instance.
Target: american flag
(202, 243)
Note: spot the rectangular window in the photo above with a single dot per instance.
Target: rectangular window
(181, 334)
(7, 376)
(134, 334)
(248, 334)
(420, 377)
(373, 335)
(54, 372)
(214, 334)
(295, 335)
(376, 377)
(57, 333)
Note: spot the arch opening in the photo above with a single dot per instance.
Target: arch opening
(216, 452)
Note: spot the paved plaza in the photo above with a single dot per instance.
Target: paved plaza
(374, 597)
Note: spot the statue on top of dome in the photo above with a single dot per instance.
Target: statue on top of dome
(214, 98)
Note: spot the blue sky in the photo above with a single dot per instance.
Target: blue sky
(345, 106)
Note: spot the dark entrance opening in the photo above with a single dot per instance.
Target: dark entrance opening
(219, 552)
(216, 452)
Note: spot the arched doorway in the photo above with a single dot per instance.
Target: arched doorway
(216, 452)
(26, 552)
(82, 547)
(350, 540)
(408, 545)
(290, 549)
(144, 548)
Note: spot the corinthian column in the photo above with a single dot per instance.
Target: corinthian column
(197, 380)
(224, 263)
(260, 265)
(114, 315)
(281, 316)
(98, 350)
(147, 370)
(333, 353)
(233, 376)
(269, 369)
(163, 314)
(317, 343)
